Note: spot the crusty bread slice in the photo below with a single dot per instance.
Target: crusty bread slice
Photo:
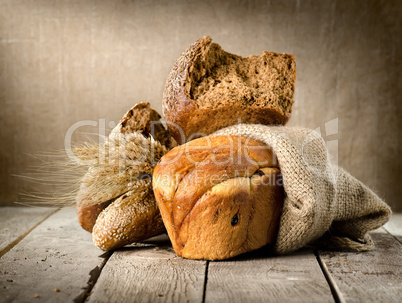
(209, 88)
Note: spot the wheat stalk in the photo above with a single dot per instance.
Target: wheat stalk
(97, 173)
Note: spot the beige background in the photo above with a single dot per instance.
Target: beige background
(66, 61)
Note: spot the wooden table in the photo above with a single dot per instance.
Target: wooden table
(47, 257)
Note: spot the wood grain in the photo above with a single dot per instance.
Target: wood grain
(256, 277)
(16, 222)
(373, 276)
(150, 272)
(57, 262)
(57, 255)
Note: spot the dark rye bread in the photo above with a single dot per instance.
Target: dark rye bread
(209, 88)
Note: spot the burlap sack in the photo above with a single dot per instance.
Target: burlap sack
(321, 198)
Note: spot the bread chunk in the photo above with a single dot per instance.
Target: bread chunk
(209, 88)
(143, 119)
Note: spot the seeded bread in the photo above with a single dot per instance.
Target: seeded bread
(115, 201)
(132, 217)
(219, 196)
(209, 88)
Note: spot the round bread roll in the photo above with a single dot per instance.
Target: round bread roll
(209, 88)
(219, 196)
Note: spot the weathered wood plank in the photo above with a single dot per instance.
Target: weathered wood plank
(150, 272)
(256, 277)
(373, 276)
(55, 263)
(394, 226)
(16, 222)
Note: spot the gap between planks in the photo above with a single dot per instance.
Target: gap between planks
(336, 293)
(94, 275)
(206, 270)
(261, 276)
(205, 282)
(371, 276)
(150, 272)
(18, 239)
(52, 263)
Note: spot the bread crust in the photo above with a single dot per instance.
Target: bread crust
(130, 212)
(144, 119)
(222, 117)
(131, 218)
(87, 212)
(185, 117)
(202, 185)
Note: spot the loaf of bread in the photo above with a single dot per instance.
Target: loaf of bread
(132, 217)
(115, 201)
(209, 88)
(219, 196)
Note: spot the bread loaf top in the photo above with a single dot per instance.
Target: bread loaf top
(219, 196)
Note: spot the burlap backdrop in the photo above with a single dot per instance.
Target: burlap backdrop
(321, 198)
